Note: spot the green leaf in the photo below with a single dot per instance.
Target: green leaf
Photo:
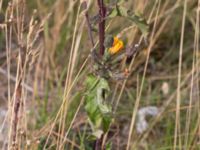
(138, 20)
(107, 119)
(104, 108)
(113, 13)
(108, 146)
(118, 11)
(140, 23)
(97, 91)
(122, 11)
(97, 133)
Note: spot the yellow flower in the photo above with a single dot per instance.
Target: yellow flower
(117, 46)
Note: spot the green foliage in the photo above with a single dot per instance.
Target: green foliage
(99, 113)
(108, 146)
(137, 19)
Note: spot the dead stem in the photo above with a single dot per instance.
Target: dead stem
(16, 110)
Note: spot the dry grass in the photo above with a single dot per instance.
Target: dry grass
(45, 57)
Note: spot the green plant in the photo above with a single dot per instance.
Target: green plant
(105, 63)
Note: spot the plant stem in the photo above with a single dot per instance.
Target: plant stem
(102, 14)
(98, 144)
(16, 111)
(88, 23)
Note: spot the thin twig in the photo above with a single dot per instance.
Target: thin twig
(88, 22)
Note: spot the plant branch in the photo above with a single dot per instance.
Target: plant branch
(102, 14)
(88, 23)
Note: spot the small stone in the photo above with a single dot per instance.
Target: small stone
(38, 141)
(28, 142)
(165, 88)
(21, 132)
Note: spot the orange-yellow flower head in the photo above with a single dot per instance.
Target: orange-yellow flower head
(117, 46)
